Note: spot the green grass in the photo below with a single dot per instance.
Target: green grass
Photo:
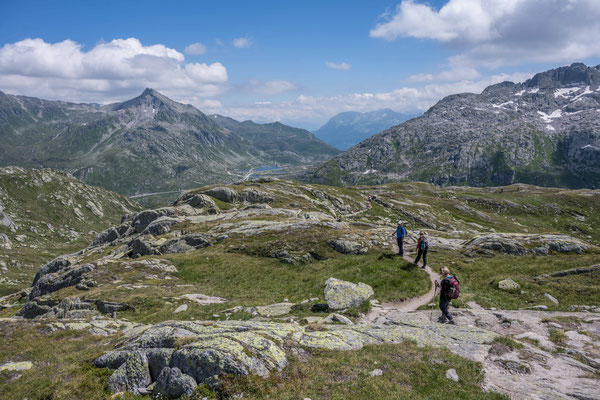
(62, 363)
(479, 280)
(409, 372)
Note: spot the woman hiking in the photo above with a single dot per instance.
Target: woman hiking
(400, 233)
(422, 248)
(449, 290)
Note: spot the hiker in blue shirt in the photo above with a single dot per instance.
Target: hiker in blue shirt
(400, 234)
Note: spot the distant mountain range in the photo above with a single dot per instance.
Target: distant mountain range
(346, 129)
(545, 131)
(146, 144)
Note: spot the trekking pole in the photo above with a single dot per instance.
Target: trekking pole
(432, 303)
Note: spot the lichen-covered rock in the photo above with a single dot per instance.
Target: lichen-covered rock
(140, 247)
(254, 196)
(341, 294)
(171, 383)
(185, 243)
(205, 351)
(275, 310)
(347, 246)
(51, 282)
(508, 284)
(132, 375)
(519, 244)
(108, 307)
(144, 218)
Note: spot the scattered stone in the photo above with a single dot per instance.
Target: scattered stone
(508, 284)
(181, 308)
(341, 294)
(376, 372)
(16, 366)
(342, 319)
(202, 299)
(451, 374)
(551, 298)
(275, 310)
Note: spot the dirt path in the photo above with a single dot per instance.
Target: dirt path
(407, 305)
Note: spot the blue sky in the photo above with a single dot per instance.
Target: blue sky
(295, 61)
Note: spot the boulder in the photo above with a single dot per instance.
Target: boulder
(341, 294)
(160, 226)
(275, 310)
(140, 247)
(52, 282)
(254, 196)
(108, 307)
(172, 383)
(347, 246)
(144, 218)
(452, 375)
(508, 284)
(196, 200)
(224, 194)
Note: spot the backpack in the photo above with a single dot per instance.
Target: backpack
(424, 244)
(453, 288)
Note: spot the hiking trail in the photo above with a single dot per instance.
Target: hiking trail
(410, 304)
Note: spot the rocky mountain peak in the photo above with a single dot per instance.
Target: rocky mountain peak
(574, 74)
(150, 99)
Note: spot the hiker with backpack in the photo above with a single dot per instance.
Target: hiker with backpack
(422, 248)
(449, 289)
(400, 233)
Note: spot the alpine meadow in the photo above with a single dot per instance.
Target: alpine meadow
(300, 200)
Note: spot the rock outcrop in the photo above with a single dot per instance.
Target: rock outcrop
(341, 294)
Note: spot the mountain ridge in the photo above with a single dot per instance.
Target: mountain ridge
(509, 133)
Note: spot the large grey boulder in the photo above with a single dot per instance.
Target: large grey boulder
(160, 226)
(341, 294)
(224, 194)
(52, 282)
(196, 200)
(172, 383)
(508, 284)
(254, 196)
(144, 218)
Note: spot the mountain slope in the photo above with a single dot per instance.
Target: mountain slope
(346, 129)
(146, 144)
(44, 213)
(545, 131)
(281, 143)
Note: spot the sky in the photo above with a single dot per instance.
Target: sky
(298, 62)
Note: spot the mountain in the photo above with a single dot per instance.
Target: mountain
(281, 143)
(545, 131)
(346, 129)
(147, 144)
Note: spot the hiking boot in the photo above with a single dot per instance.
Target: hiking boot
(441, 320)
(451, 322)
(423, 267)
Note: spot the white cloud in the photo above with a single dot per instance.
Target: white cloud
(314, 110)
(493, 33)
(339, 66)
(241, 42)
(195, 49)
(121, 67)
(270, 88)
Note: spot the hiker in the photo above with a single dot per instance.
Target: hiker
(422, 248)
(400, 233)
(449, 289)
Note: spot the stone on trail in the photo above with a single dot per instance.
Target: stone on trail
(341, 294)
(508, 284)
(451, 374)
(181, 308)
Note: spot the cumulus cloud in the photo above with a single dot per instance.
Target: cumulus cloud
(241, 42)
(311, 111)
(339, 66)
(270, 88)
(494, 33)
(118, 68)
(195, 49)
